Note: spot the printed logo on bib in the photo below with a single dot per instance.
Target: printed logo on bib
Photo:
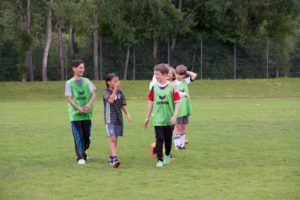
(162, 102)
(81, 95)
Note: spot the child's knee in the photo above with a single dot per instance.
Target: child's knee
(113, 139)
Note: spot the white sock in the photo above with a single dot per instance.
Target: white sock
(177, 140)
(182, 139)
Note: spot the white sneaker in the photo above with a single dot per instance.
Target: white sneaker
(81, 162)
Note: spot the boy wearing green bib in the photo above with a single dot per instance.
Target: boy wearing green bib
(181, 84)
(164, 104)
(80, 93)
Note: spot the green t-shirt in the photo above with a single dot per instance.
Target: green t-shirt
(185, 103)
(163, 105)
(81, 95)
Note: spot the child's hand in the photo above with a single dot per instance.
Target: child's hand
(173, 120)
(81, 110)
(86, 108)
(129, 118)
(146, 122)
(117, 85)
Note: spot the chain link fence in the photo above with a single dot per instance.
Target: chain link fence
(256, 58)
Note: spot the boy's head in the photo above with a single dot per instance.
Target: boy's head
(111, 79)
(181, 72)
(160, 72)
(77, 67)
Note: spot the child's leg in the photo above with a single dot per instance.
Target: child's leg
(112, 140)
(78, 135)
(176, 137)
(159, 135)
(87, 133)
(183, 135)
(168, 139)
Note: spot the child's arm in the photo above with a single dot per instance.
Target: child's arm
(176, 99)
(90, 103)
(191, 74)
(81, 110)
(174, 117)
(149, 111)
(125, 110)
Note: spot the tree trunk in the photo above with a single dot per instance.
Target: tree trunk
(174, 36)
(96, 41)
(61, 52)
(101, 59)
(71, 41)
(47, 45)
(155, 49)
(29, 53)
(277, 71)
(126, 63)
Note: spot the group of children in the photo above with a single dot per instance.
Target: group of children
(169, 105)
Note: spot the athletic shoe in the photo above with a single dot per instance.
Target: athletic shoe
(152, 150)
(81, 162)
(116, 164)
(172, 157)
(179, 148)
(167, 159)
(160, 164)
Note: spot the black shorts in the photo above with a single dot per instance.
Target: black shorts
(182, 120)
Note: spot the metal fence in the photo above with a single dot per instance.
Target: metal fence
(256, 58)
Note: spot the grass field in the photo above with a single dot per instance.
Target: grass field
(244, 144)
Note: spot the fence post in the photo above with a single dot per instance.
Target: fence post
(267, 58)
(201, 61)
(234, 61)
(101, 58)
(169, 51)
(133, 76)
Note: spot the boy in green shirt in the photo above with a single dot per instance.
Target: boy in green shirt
(181, 84)
(80, 93)
(164, 102)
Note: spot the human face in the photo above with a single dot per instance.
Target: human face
(78, 71)
(161, 78)
(179, 77)
(113, 82)
(170, 75)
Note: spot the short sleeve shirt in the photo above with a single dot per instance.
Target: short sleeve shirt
(113, 111)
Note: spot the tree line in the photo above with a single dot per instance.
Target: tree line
(38, 38)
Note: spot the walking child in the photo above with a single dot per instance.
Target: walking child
(164, 103)
(114, 103)
(80, 93)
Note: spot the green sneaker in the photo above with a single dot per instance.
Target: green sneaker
(159, 164)
(167, 159)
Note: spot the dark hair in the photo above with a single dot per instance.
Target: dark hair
(76, 63)
(162, 68)
(181, 70)
(108, 77)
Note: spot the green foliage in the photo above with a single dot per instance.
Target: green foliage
(137, 23)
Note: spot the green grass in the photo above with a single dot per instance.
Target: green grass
(240, 148)
(260, 88)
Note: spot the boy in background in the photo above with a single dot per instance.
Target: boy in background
(181, 84)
